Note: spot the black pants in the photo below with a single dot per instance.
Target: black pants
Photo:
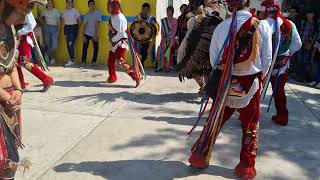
(144, 52)
(85, 49)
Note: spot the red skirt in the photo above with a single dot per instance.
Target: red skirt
(10, 140)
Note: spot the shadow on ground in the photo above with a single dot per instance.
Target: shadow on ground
(92, 84)
(138, 97)
(141, 169)
(297, 144)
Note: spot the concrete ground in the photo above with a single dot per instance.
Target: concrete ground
(86, 129)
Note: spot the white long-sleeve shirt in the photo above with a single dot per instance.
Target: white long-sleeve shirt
(265, 44)
(296, 42)
(30, 24)
(119, 24)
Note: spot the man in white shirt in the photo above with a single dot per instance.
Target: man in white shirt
(289, 44)
(247, 56)
(26, 43)
(119, 41)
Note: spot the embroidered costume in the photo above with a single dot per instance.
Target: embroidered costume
(26, 43)
(145, 46)
(167, 48)
(286, 42)
(240, 54)
(193, 54)
(119, 41)
(10, 121)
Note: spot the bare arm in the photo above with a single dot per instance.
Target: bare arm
(15, 78)
(4, 95)
(84, 26)
(95, 36)
(59, 26)
(15, 101)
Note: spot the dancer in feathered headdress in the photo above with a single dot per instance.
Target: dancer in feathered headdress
(119, 39)
(193, 55)
(286, 42)
(240, 54)
(12, 13)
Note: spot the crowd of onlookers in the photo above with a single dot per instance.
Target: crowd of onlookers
(52, 21)
(305, 65)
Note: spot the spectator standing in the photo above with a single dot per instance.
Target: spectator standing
(51, 19)
(144, 47)
(315, 61)
(182, 23)
(307, 30)
(71, 21)
(90, 32)
(167, 48)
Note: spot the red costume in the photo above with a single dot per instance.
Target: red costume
(289, 44)
(245, 60)
(10, 120)
(119, 40)
(26, 43)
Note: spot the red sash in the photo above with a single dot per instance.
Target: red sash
(281, 61)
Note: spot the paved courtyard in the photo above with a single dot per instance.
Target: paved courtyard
(86, 129)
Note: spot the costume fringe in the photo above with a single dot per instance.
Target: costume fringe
(137, 65)
(214, 121)
(276, 47)
(42, 63)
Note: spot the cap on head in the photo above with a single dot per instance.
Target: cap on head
(270, 3)
(272, 8)
(116, 6)
(23, 4)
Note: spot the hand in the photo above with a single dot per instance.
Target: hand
(56, 34)
(14, 104)
(95, 38)
(84, 39)
(18, 36)
(171, 44)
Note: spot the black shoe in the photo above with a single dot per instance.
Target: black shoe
(83, 65)
(93, 64)
(158, 70)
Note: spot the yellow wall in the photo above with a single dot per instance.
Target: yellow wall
(129, 7)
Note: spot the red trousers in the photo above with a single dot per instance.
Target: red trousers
(249, 117)
(280, 98)
(25, 61)
(118, 57)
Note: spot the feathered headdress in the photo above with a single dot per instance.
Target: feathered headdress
(272, 8)
(235, 3)
(23, 4)
(115, 5)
